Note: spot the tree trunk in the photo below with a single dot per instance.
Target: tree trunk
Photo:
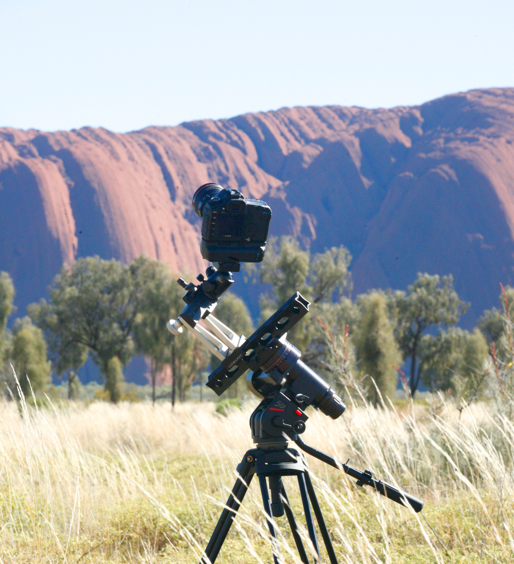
(413, 380)
(73, 385)
(70, 389)
(413, 385)
(173, 391)
(173, 376)
(153, 376)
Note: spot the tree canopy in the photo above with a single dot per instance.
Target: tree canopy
(431, 302)
(29, 357)
(93, 306)
(6, 308)
(109, 312)
(322, 278)
(497, 324)
(376, 348)
(454, 359)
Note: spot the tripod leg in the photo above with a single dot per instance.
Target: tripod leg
(275, 486)
(294, 528)
(308, 514)
(227, 515)
(321, 521)
(267, 508)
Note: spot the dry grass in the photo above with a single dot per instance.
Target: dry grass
(132, 483)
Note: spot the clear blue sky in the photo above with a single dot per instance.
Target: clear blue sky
(126, 64)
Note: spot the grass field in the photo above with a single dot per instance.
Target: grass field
(133, 483)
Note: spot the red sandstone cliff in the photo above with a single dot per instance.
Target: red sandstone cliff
(409, 189)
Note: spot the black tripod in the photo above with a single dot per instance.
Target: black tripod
(288, 386)
(273, 461)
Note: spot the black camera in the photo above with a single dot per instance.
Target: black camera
(234, 229)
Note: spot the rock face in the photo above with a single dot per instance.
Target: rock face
(428, 188)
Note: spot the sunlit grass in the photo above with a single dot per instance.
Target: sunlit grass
(136, 483)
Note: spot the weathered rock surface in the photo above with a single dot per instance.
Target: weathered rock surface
(428, 188)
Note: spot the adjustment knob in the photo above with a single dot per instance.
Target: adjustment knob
(208, 287)
(174, 326)
(182, 282)
(299, 427)
(279, 422)
(332, 405)
(200, 278)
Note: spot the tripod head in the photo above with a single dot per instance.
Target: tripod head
(286, 385)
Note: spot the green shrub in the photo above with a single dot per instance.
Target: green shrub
(224, 407)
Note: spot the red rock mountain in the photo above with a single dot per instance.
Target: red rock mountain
(408, 189)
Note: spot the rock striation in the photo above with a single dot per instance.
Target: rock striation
(407, 189)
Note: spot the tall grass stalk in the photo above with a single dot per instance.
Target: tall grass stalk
(136, 483)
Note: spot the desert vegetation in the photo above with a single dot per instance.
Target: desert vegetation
(136, 483)
(109, 312)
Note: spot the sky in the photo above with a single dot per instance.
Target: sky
(126, 64)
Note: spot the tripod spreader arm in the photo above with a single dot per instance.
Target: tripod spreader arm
(365, 478)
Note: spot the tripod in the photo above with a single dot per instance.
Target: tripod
(273, 460)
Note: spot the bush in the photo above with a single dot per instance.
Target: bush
(224, 407)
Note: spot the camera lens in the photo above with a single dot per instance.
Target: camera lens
(203, 195)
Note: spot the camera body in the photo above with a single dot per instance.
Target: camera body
(234, 229)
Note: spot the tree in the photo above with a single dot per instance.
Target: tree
(496, 324)
(114, 378)
(472, 369)
(93, 305)
(329, 275)
(6, 299)
(29, 357)
(67, 356)
(161, 301)
(232, 311)
(321, 278)
(498, 328)
(6, 308)
(186, 356)
(286, 268)
(430, 302)
(376, 349)
(73, 385)
(454, 359)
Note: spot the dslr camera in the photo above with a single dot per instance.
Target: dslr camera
(234, 229)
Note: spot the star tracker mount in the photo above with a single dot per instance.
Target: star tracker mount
(275, 373)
